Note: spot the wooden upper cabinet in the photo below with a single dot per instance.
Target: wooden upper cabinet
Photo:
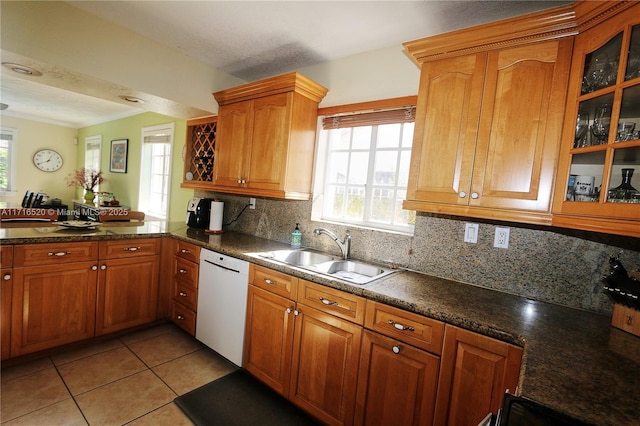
(489, 121)
(265, 141)
(605, 78)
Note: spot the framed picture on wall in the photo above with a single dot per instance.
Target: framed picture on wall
(119, 149)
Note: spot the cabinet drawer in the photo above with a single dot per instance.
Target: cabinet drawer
(188, 251)
(186, 295)
(274, 281)
(183, 317)
(129, 247)
(339, 303)
(6, 256)
(405, 326)
(186, 272)
(54, 253)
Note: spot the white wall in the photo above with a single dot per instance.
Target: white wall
(31, 136)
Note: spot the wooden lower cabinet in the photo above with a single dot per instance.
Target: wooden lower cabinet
(269, 338)
(475, 372)
(52, 305)
(326, 352)
(184, 285)
(5, 312)
(127, 293)
(396, 384)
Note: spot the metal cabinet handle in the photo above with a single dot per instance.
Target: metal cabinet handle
(6, 277)
(180, 317)
(132, 248)
(184, 251)
(58, 253)
(270, 282)
(327, 301)
(288, 310)
(182, 271)
(296, 312)
(94, 268)
(474, 195)
(183, 294)
(462, 194)
(400, 326)
(396, 349)
(103, 267)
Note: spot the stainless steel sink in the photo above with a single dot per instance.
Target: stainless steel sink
(356, 272)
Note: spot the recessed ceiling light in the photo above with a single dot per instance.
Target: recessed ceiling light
(132, 99)
(22, 69)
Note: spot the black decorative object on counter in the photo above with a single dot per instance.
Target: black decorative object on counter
(620, 287)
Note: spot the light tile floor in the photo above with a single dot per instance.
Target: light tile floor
(130, 380)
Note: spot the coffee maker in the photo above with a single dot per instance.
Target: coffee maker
(198, 212)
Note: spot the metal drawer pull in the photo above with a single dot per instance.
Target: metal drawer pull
(180, 317)
(132, 248)
(396, 349)
(185, 251)
(7, 277)
(183, 294)
(59, 253)
(289, 310)
(400, 326)
(183, 271)
(327, 301)
(271, 282)
(94, 268)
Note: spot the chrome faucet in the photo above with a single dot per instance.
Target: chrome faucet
(345, 246)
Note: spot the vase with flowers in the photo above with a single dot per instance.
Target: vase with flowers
(86, 179)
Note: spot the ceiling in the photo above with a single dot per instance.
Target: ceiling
(247, 39)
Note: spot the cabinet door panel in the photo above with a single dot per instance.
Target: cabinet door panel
(446, 126)
(475, 372)
(395, 387)
(271, 128)
(233, 141)
(5, 312)
(518, 140)
(326, 350)
(52, 305)
(268, 338)
(127, 293)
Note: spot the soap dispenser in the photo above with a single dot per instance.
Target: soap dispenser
(296, 237)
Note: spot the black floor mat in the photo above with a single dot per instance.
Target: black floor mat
(239, 399)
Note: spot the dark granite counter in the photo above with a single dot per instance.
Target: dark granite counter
(574, 361)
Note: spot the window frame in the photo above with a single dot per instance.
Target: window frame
(146, 166)
(12, 187)
(322, 153)
(97, 140)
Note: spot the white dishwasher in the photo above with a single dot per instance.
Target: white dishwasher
(222, 303)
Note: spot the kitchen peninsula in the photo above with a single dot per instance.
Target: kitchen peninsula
(573, 360)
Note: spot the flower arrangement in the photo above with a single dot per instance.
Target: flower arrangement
(87, 179)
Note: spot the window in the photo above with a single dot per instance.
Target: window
(7, 161)
(92, 148)
(363, 164)
(155, 171)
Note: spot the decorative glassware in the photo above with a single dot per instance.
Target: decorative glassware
(623, 193)
(582, 130)
(601, 122)
(625, 131)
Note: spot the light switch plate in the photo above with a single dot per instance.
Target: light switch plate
(471, 232)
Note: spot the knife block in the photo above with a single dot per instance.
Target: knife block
(625, 318)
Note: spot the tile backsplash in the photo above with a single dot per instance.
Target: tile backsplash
(548, 264)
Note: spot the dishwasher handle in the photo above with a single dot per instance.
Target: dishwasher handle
(222, 267)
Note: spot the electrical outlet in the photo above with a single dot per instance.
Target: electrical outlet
(501, 239)
(252, 203)
(471, 232)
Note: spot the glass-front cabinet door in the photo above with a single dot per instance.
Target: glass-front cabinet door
(599, 169)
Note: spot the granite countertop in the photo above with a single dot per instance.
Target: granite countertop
(574, 361)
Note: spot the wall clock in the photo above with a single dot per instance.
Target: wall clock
(47, 160)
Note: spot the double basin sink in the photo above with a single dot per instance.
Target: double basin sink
(355, 272)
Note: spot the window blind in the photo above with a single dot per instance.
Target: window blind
(391, 116)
